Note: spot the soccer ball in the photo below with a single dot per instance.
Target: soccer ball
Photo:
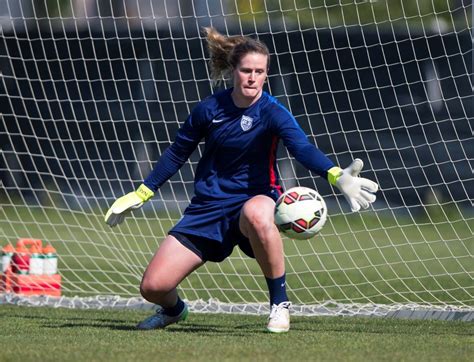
(300, 213)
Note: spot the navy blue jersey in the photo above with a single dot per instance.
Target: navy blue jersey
(239, 159)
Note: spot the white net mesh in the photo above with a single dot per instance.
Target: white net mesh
(91, 94)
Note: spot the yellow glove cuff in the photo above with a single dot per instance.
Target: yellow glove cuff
(333, 174)
(144, 193)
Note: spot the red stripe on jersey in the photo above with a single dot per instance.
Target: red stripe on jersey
(271, 166)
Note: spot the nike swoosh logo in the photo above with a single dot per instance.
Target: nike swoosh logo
(217, 120)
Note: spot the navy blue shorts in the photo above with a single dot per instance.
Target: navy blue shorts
(211, 229)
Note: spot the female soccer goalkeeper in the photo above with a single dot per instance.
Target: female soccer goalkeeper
(236, 183)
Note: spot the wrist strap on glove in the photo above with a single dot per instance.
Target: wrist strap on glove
(144, 193)
(333, 174)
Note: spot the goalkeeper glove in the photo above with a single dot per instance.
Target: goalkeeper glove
(358, 191)
(125, 204)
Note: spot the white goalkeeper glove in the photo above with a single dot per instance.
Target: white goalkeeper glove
(358, 191)
(125, 204)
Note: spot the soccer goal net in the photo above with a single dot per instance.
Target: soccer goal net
(92, 92)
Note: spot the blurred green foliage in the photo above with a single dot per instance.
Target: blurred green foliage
(409, 14)
(333, 13)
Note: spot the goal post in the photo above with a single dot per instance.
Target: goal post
(91, 93)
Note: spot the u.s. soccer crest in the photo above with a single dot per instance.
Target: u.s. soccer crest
(246, 123)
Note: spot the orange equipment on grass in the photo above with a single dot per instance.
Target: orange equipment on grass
(26, 272)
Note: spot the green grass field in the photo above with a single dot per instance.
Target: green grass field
(48, 334)
(358, 258)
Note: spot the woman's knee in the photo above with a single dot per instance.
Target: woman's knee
(152, 287)
(169, 266)
(257, 214)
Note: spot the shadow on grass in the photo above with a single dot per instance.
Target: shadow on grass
(117, 327)
(191, 328)
(56, 319)
(216, 329)
(244, 330)
(201, 329)
(298, 325)
(75, 322)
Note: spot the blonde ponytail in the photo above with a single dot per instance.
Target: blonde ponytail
(226, 51)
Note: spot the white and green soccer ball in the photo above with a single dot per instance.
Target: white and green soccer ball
(300, 213)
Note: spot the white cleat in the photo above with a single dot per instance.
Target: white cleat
(279, 320)
(160, 320)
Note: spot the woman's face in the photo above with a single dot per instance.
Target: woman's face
(249, 77)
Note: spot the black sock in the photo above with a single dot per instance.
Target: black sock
(277, 289)
(174, 311)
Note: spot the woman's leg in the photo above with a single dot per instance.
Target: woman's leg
(171, 263)
(257, 224)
